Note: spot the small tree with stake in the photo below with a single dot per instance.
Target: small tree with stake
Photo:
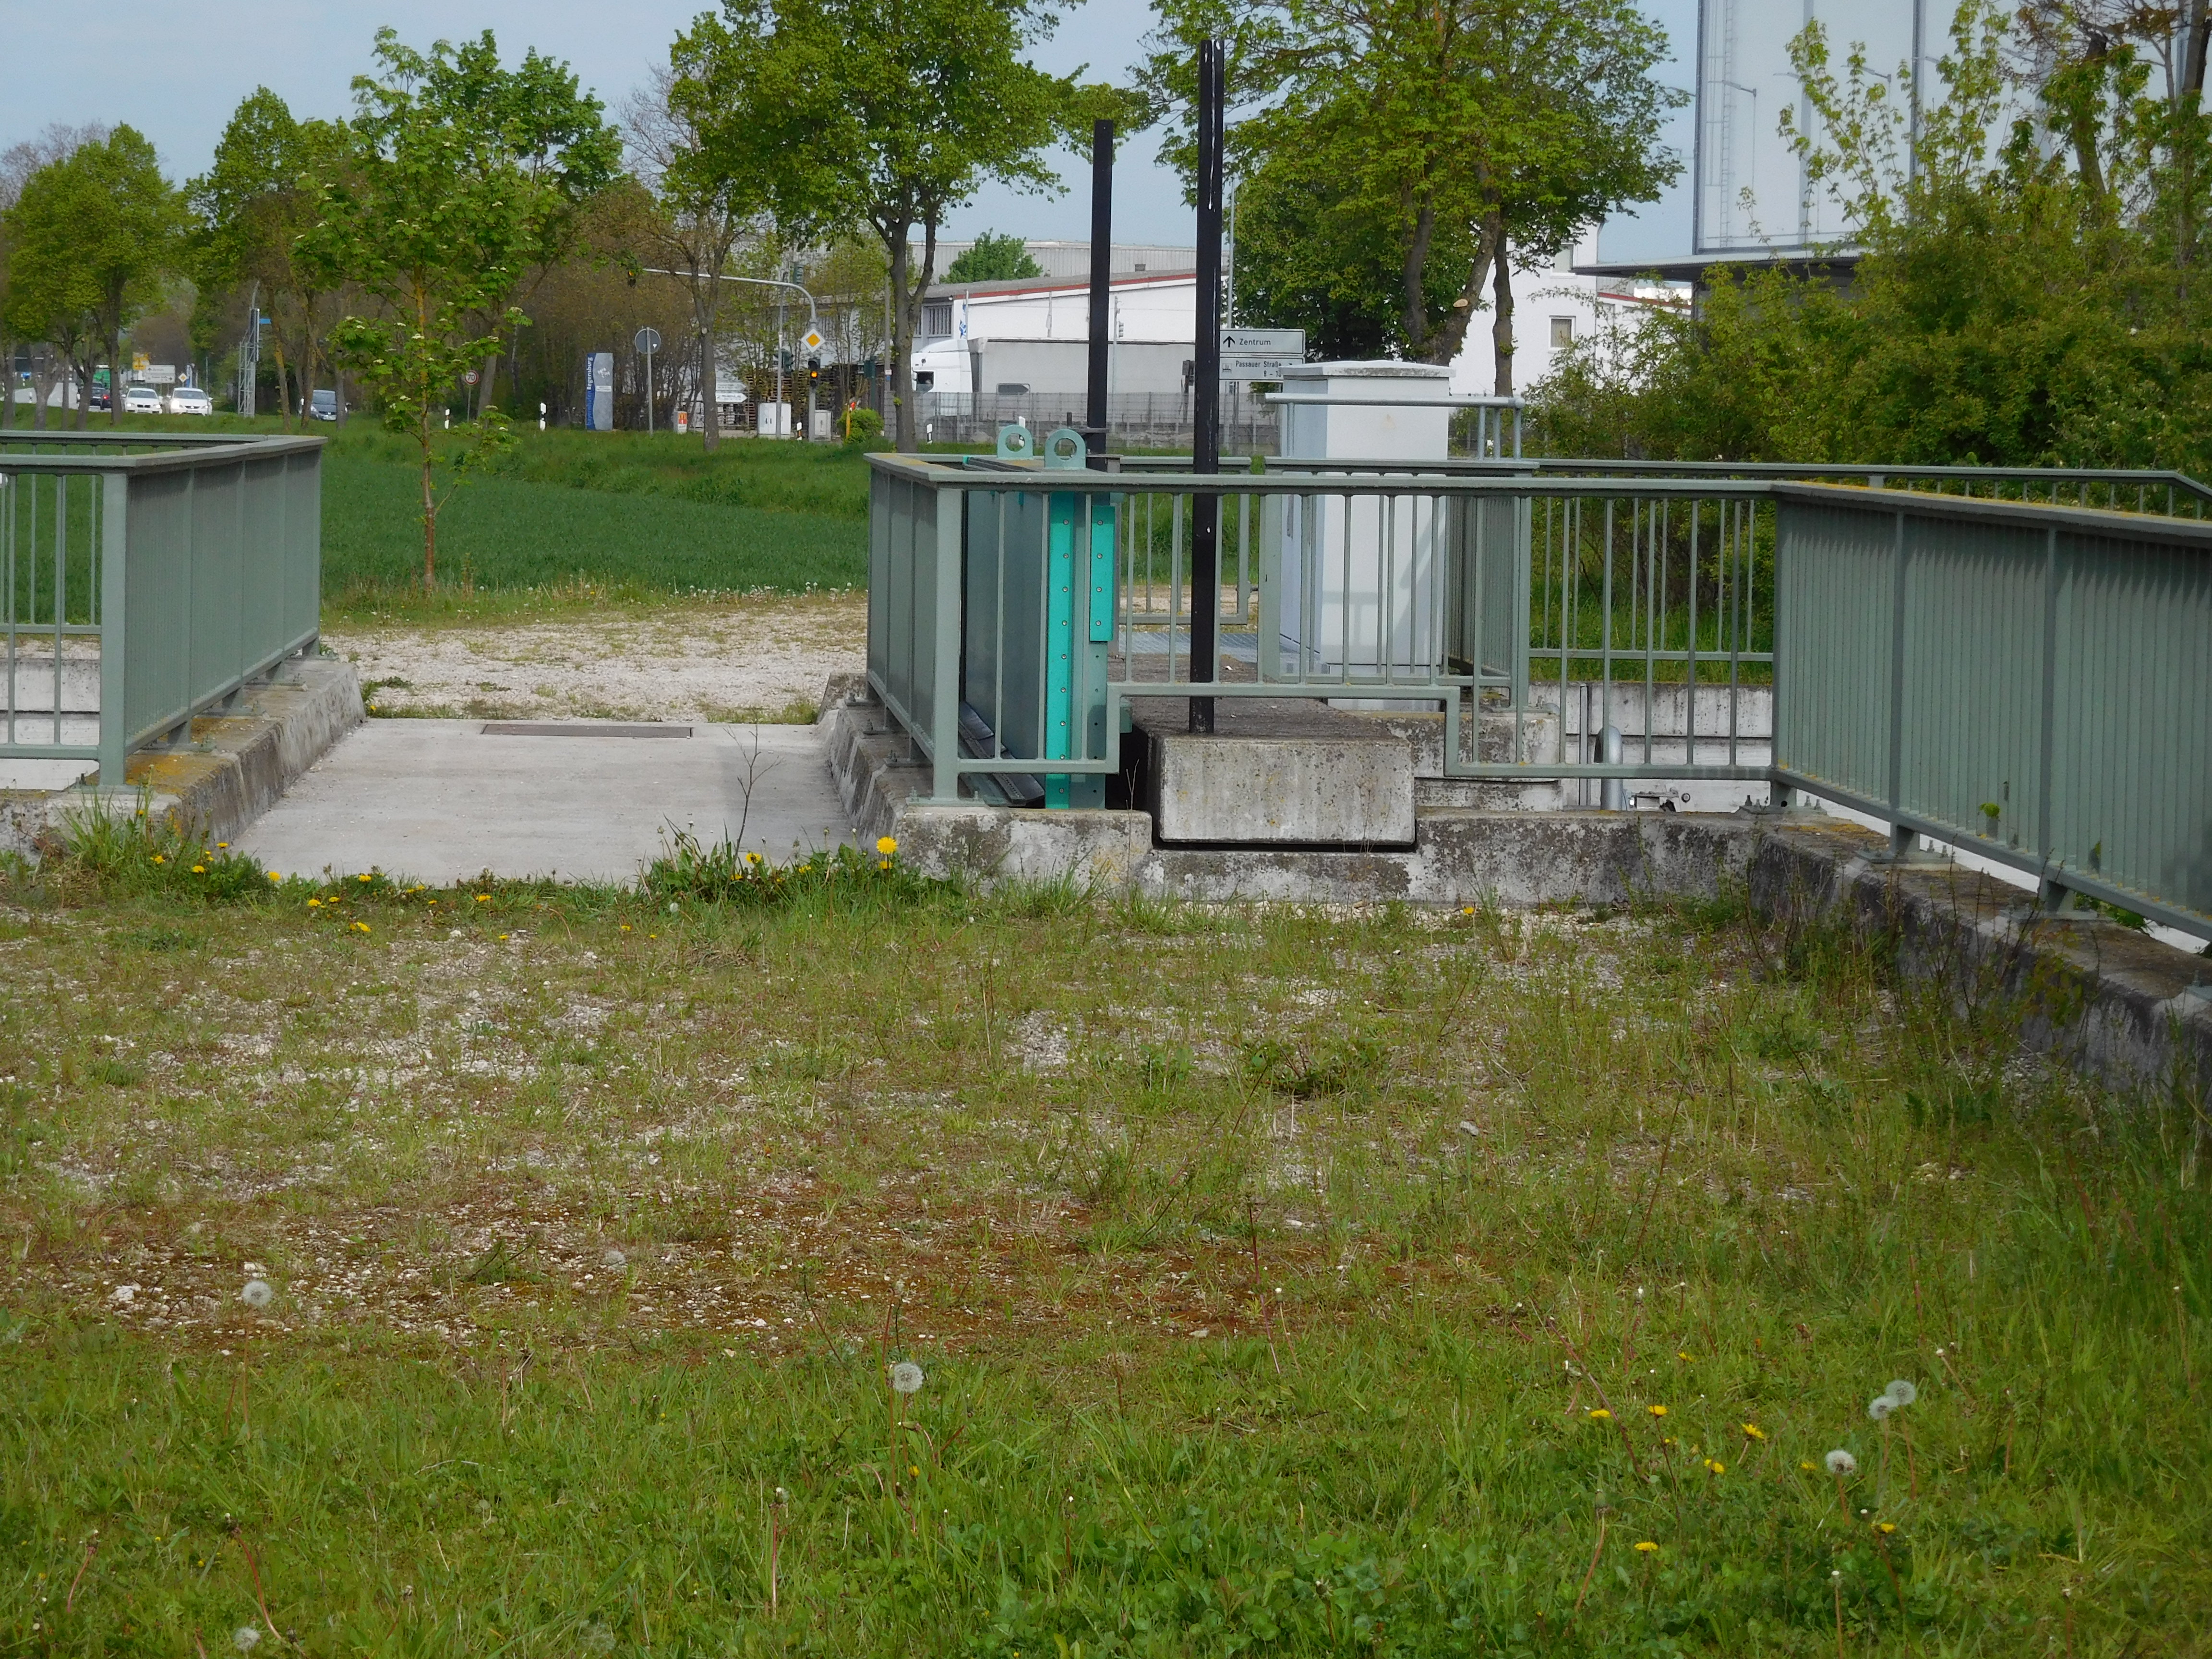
(436, 208)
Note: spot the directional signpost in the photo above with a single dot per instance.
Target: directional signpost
(1261, 354)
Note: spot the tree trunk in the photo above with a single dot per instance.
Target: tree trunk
(1414, 273)
(1445, 344)
(115, 375)
(284, 380)
(490, 373)
(84, 393)
(2197, 27)
(708, 302)
(1501, 326)
(903, 332)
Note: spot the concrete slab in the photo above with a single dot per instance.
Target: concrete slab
(1276, 772)
(442, 802)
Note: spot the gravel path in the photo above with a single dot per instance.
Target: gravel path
(724, 661)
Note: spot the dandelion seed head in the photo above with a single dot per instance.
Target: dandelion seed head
(1881, 1407)
(257, 1293)
(906, 1377)
(1841, 1463)
(245, 1638)
(1902, 1392)
(596, 1637)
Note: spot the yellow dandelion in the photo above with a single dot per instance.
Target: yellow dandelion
(1647, 1548)
(1666, 1439)
(1803, 1465)
(314, 905)
(625, 928)
(1599, 1414)
(1714, 1467)
(273, 876)
(1884, 1528)
(1679, 1354)
(883, 863)
(1467, 909)
(223, 846)
(483, 898)
(503, 936)
(1656, 1411)
(1752, 1431)
(364, 879)
(361, 926)
(912, 1469)
(199, 869)
(886, 845)
(158, 859)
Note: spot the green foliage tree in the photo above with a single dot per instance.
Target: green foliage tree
(253, 210)
(1443, 135)
(456, 180)
(881, 113)
(2027, 290)
(94, 233)
(993, 258)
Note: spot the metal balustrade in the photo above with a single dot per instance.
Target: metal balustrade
(145, 578)
(1879, 636)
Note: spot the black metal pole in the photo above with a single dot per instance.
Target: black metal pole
(1205, 400)
(1101, 281)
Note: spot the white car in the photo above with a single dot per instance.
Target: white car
(140, 400)
(191, 400)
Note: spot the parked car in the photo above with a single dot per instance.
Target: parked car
(142, 400)
(322, 405)
(191, 400)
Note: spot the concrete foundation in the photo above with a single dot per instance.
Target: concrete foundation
(231, 767)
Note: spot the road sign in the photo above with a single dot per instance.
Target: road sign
(469, 378)
(812, 340)
(1261, 354)
(648, 341)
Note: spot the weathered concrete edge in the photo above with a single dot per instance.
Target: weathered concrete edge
(238, 764)
(2117, 1004)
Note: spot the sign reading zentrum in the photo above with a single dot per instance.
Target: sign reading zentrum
(1261, 354)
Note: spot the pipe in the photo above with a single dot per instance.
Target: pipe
(1206, 401)
(1102, 286)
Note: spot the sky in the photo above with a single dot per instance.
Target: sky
(176, 69)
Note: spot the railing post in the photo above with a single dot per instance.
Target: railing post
(114, 563)
(945, 664)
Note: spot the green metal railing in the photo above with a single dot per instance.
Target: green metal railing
(1603, 627)
(145, 578)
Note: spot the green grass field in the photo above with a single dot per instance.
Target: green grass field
(1283, 1283)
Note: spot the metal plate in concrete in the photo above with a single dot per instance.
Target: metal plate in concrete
(443, 800)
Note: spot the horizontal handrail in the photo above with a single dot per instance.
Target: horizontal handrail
(172, 451)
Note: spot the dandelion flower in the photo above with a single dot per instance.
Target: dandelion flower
(906, 1376)
(1656, 1411)
(1752, 1431)
(199, 869)
(257, 1293)
(223, 846)
(273, 876)
(1841, 1463)
(362, 925)
(614, 1261)
(158, 859)
(1647, 1548)
(483, 898)
(364, 879)
(1599, 1414)
(314, 905)
(1713, 1466)
(245, 1638)
(1901, 1392)
(914, 1471)
(1881, 1407)
(1884, 1528)
(1805, 1465)
(886, 845)
(1679, 1354)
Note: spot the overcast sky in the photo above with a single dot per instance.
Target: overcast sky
(176, 69)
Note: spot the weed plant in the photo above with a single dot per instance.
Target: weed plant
(1283, 1281)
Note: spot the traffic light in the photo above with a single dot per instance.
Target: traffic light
(813, 371)
(783, 360)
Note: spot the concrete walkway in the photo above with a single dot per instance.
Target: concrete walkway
(442, 802)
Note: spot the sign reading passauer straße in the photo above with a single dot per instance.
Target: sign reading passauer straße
(1261, 354)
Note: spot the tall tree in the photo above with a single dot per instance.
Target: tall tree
(449, 190)
(881, 113)
(94, 234)
(250, 212)
(703, 211)
(1462, 132)
(18, 163)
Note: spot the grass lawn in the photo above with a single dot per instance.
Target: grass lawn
(1283, 1282)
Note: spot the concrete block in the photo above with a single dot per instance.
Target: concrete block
(1287, 772)
(1099, 851)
